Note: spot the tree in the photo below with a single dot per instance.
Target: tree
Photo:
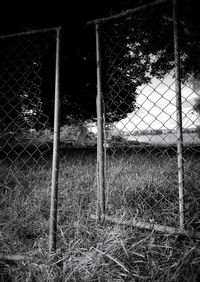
(134, 49)
(196, 106)
(27, 64)
(194, 82)
(78, 133)
(146, 51)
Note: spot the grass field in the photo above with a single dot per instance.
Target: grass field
(142, 185)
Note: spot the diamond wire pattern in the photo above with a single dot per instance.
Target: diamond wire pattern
(21, 116)
(143, 141)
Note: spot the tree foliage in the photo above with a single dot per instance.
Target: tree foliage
(196, 106)
(143, 48)
(80, 134)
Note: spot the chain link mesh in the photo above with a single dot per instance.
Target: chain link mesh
(27, 68)
(141, 122)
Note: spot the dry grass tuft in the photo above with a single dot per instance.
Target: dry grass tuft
(87, 251)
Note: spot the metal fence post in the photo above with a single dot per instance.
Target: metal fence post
(100, 134)
(55, 163)
(179, 116)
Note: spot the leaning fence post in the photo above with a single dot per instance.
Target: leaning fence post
(100, 131)
(179, 116)
(55, 161)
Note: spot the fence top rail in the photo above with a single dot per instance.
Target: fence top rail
(29, 32)
(128, 12)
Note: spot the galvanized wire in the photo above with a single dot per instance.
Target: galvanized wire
(143, 110)
(23, 123)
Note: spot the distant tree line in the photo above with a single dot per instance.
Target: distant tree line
(162, 131)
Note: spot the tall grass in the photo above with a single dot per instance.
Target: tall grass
(138, 185)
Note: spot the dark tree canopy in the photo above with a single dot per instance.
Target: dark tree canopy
(141, 46)
(145, 52)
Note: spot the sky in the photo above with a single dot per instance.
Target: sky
(157, 103)
(157, 100)
(70, 14)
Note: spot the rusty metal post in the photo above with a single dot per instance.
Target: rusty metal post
(179, 116)
(100, 134)
(55, 161)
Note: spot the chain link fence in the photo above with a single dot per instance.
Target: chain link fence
(24, 60)
(27, 90)
(148, 123)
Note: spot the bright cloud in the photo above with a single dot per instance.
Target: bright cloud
(157, 107)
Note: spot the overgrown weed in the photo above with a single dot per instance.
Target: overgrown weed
(86, 250)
